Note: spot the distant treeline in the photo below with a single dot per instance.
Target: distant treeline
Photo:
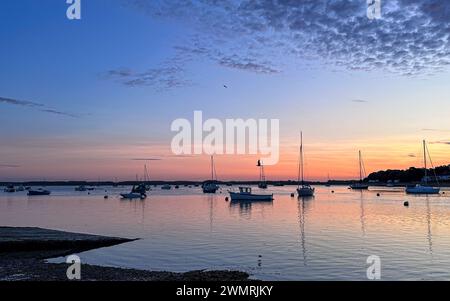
(412, 174)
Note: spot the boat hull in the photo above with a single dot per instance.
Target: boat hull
(43, 192)
(235, 196)
(131, 196)
(210, 190)
(305, 191)
(359, 187)
(423, 190)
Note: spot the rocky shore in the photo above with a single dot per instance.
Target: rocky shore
(23, 252)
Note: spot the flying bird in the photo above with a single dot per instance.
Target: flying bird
(225, 86)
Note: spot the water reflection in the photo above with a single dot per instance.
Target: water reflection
(362, 216)
(302, 205)
(430, 241)
(245, 207)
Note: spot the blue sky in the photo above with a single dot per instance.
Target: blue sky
(105, 89)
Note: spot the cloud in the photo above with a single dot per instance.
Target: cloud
(262, 36)
(20, 102)
(412, 155)
(40, 107)
(359, 101)
(247, 65)
(9, 166)
(161, 78)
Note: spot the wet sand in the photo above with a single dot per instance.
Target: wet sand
(23, 254)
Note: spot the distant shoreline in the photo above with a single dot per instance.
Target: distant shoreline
(198, 183)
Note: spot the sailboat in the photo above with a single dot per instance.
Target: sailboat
(210, 186)
(360, 185)
(328, 184)
(424, 189)
(262, 177)
(303, 189)
(146, 179)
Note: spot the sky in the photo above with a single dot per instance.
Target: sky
(95, 98)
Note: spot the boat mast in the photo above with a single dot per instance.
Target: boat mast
(212, 168)
(301, 158)
(300, 163)
(425, 160)
(360, 167)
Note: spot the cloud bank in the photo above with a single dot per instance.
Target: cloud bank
(263, 36)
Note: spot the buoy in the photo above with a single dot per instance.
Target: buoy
(332, 191)
(226, 199)
(406, 204)
(105, 197)
(292, 195)
(378, 194)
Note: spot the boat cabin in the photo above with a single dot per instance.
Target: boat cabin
(245, 190)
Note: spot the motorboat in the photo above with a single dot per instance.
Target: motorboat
(245, 194)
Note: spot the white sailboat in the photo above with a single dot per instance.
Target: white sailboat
(303, 189)
(360, 185)
(211, 186)
(424, 189)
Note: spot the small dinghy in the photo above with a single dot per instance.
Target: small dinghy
(245, 194)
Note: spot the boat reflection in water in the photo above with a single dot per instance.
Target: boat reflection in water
(303, 203)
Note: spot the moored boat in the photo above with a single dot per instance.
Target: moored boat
(166, 187)
(425, 188)
(81, 188)
(303, 189)
(211, 186)
(245, 194)
(10, 189)
(360, 185)
(133, 195)
(39, 191)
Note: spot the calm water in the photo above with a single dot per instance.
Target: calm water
(327, 237)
